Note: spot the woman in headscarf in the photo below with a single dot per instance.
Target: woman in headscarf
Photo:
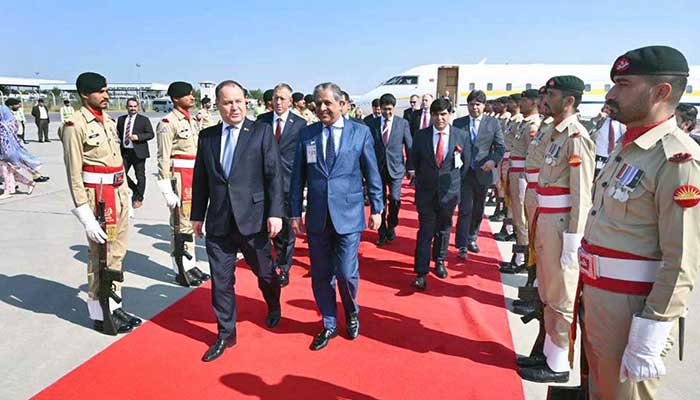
(14, 158)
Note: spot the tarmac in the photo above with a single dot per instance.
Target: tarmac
(43, 316)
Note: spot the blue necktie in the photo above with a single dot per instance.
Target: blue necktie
(227, 157)
(472, 130)
(330, 148)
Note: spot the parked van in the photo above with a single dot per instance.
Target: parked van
(162, 105)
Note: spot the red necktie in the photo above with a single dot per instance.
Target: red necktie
(127, 133)
(278, 130)
(611, 137)
(439, 152)
(385, 131)
(424, 124)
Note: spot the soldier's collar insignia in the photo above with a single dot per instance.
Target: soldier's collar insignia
(686, 196)
(680, 157)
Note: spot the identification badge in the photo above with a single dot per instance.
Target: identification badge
(311, 153)
(458, 159)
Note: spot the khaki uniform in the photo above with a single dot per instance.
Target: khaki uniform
(177, 138)
(533, 162)
(511, 126)
(517, 183)
(654, 217)
(89, 143)
(503, 165)
(309, 116)
(206, 120)
(564, 198)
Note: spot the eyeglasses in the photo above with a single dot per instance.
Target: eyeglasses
(412, 102)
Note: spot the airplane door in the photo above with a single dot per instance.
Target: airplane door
(447, 80)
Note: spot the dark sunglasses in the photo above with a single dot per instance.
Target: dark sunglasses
(412, 102)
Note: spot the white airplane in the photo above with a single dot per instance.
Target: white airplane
(498, 80)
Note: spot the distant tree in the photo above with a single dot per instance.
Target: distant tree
(256, 94)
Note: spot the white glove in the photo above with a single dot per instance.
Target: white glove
(569, 249)
(92, 227)
(642, 357)
(171, 198)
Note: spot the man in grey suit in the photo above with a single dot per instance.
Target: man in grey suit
(487, 149)
(391, 136)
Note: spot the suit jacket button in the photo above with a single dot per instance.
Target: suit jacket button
(594, 212)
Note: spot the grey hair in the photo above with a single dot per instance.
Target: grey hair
(337, 92)
(283, 86)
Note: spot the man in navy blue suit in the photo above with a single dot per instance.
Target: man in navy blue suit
(286, 125)
(332, 157)
(237, 187)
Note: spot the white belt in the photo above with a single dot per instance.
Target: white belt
(595, 266)
(506, 154)
(554, 201)
(182, 163)
(532, 176)
(517, 163)
(97, 178)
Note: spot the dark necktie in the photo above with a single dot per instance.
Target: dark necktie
(278, 130)
(385, 132)
(473, 131)
(330, 148)
(127, 133)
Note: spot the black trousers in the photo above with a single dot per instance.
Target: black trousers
(471, 209)
(222, 263)
(391, 190)
(138, 188)
(434, 224)
(284, 241)
(43, 130)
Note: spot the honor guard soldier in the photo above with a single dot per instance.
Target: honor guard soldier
(502, 115)
(177, 135)
(564, 198)
(639, 256)
(203, 116)
(511, 127)
(517, 183)
(95, 172)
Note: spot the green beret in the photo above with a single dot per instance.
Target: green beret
(206, 100)
(515, 97)
(502, 99)
(531, 94)
(90, 82)
(309, 98)
(651, 60)
(296, 96)
(11, 102)
(543, 90)
(179, 89)
(566, 82)
(267, 95)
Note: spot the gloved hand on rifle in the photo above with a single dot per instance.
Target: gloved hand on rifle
(166, 189)
(92, 227)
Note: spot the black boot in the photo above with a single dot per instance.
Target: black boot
(500, 213)
(511, 267)
(503, 235)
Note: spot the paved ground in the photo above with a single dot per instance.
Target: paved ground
(42, 286)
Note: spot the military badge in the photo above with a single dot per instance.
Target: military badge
(680, 157)
(686, 196)
(627, 179)
(552, 153)
(622, 64)
(575, 160)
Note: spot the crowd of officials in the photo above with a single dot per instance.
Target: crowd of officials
(603, 212)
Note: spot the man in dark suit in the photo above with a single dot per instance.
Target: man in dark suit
(391, 137)
(487, 150)
(332, 158)
(237, 186)
(135, 130)
(286, 126)
(376, 112)
(439, 153)
(345, 110)
(412, 113)
(41, 118)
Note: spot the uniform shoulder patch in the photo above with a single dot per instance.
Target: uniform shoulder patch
(68, 123)
(686, 196)
(165, 120)
(575, 160)
(680, 157)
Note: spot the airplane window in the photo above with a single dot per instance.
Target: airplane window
(402, 80)
(472, 86)
(489, 86)
(587, 87)
(607, 87)
(689, 89)
(392, 81)
(528, 86)
(509, 86)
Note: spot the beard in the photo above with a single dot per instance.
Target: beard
(633, 111)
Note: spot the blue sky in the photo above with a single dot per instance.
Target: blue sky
(354, 43)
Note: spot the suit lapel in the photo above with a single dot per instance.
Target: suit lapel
(320, 155)
(344, 138)
(434, 148)
(243, 138)
(450, 146)
(216, 148)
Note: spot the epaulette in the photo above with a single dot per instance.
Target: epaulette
(680, 157)
(679, 147)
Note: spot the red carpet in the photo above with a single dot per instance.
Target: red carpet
(450, 342)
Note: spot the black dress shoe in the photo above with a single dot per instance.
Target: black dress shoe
(41, 179)
(321, 340)
(508, 267)
(122, 327)
(473, 247)
(391, 235)
(504, 236)
(199, 274)
(524, 309)
(353, 326)
(381, 241)
(190, 277)
(497, 217)
(273, 318)
(440, 270)
(543, 374)
(283, 278)
(217, 349)
(126, 317)
(463, 253)
(419, 283)
(534, 360)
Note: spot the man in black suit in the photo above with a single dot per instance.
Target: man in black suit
(439, 153)
(391, 136)
(134, 132)
(41, 118)
(487, 149)
(237, 186)
(376, 112)
(412, 113)
(286, 126)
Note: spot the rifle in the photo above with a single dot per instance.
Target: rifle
(106, 276)
(179, 240)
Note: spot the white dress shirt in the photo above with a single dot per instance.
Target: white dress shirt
(337, 132)
(126, 140)
(43, 112)
(601, 141)
(389, 125)
(234, 132)
(445, 141)
(282, 117)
